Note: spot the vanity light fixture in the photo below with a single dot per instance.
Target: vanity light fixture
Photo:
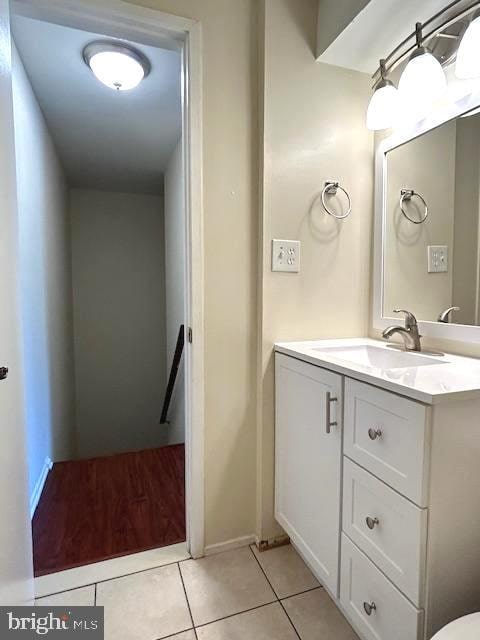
(116, 64)
(383, 108)
(423, 81)
(467, 65)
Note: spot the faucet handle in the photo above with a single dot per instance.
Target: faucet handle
(410, 319)
(445, 315)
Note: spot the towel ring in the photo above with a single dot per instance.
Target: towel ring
(406, 195)
(331, 189)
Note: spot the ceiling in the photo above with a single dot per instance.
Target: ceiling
(107, 140)
(376, 30)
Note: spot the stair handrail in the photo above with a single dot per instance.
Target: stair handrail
(177, 356)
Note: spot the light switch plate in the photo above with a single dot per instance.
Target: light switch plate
(286, 255)
(438, 259)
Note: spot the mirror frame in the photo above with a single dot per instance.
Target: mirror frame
(437, 330)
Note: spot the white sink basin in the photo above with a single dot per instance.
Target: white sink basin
(378, 357)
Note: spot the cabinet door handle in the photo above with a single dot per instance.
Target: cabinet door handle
(328, 421)
(372, 522)
(373, 434)
(369, 607)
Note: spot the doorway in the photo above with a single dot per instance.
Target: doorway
(104, 260)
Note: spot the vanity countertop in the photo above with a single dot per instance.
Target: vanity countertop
(429, 378)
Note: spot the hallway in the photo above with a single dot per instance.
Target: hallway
(93, 510)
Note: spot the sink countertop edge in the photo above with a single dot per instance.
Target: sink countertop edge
(299, 350)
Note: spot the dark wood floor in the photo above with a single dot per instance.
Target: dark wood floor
(93, 510)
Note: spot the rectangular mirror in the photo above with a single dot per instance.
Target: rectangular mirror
(431, 255)
(427, 224)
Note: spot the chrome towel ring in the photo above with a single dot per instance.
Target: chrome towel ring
(331, 189)
(405, 196)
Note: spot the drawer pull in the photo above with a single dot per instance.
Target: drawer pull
(327, 417)
(373, 434)
(372, 522)
(369, 608)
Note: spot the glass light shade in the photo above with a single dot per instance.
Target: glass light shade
(117, 70)
(422, 84)
(468, 55)
(383, 108)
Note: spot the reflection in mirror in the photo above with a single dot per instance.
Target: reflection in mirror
(431, 262)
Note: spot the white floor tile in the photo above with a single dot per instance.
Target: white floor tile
(144, 606)
(186, 635)
(266, 623)
(224, 584)
(316, 617)
(84, 597)
(286, 571)
(108, 569)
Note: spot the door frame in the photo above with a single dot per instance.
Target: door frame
(148, 26)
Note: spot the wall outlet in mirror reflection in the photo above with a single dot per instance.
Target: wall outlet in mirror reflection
(437, 259)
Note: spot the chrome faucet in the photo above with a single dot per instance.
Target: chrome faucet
(445, 315)
(409, 332)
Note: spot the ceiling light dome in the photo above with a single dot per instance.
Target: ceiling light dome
(423, 82)
(383, 108)
(467, 65)
(116, 65)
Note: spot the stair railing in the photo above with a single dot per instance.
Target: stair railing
(173, 374)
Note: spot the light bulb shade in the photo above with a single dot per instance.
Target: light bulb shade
(117, 66)
(468, 56)
(383, 108)
(422, 84)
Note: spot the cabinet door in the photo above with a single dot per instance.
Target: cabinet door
(308, 438)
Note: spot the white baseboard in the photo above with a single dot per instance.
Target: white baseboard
(37, 492)
(228, 545)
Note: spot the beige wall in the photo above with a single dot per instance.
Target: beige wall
(426, 165)
(314, 130)
(119, 320)
(333, 18)
(230, 207)
(45, 284)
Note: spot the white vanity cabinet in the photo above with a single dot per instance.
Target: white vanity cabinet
(380, 494)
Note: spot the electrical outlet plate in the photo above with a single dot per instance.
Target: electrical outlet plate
(286, 255)
(437, 259)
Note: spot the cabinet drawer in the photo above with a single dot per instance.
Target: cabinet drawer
(394, 536)
(392, 616)
(386, 434)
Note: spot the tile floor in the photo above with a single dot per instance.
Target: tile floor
(235, 595)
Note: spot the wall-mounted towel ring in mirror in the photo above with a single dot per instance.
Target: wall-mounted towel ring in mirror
(331, 189)
(405, 196)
